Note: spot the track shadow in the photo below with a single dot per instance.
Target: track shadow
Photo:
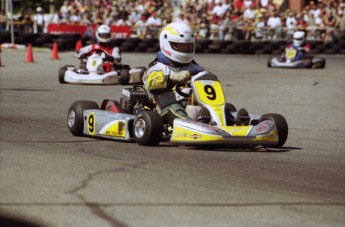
(243, 148)
(7, 220)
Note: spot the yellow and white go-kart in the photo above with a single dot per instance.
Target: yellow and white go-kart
(134, 119)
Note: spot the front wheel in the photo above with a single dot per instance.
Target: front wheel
(124, 76)
(269, 64)
(62, 72)
(75, 119)
(230, 120)
(148, 128)
(281, 125)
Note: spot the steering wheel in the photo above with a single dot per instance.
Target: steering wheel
(179, 88)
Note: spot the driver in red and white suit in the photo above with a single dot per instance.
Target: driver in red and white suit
(103, 35)
(173, 64)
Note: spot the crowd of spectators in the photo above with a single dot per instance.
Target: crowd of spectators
(211, 19)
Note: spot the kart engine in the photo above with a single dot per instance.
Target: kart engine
(132, 97)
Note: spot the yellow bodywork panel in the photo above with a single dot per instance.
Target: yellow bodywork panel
(237, 130)
(183, 134)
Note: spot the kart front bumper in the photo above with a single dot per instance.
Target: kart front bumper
(275, 63)
(187, 132)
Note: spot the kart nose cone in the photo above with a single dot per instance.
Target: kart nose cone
(71, 118)
(139, 128)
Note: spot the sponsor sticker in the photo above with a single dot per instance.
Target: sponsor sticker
(195, 136)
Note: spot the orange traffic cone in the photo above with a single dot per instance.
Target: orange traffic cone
(55, 53)
(78, 45)
(29, 55)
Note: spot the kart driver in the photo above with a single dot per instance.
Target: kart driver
(173, 64)
(103, 35)
(298, 44)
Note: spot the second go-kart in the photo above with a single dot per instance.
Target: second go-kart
(100, 71)
(292, 59)
(133, 118)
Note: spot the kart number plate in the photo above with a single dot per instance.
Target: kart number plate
(290, 53)
(91, 123)
(210, 92)
(94, 63)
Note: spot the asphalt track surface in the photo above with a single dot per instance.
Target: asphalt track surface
(50, 178)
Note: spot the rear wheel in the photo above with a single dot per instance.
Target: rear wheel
(148, 128)
(124, 76)
(75, 119)
(319, 63)
(281, 126)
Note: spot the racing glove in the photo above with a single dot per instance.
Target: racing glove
(180, 77)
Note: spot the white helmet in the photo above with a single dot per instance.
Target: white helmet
(177, 42)
(103, 34)
(298, 38)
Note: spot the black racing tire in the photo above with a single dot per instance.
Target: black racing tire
(319, 64)
(269, 65)
(141, 67)
(62, 71)
(230, 120)
(124, 76)
(308, 62)
(148, 128)
(281, 126)
(75, 121)
(230, 107)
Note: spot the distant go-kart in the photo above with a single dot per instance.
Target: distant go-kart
(133, 118)
(100, 71)
(292, 60)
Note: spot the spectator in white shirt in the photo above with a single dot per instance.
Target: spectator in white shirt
(64, 9)
(249, 12)
(74, 17)
(219, 9)
(275, 26)
(153, 25)
(181, 18)
(39, 21)
(290, 24)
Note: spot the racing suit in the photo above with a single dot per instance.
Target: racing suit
(158, 83)
(111, 52)
(301, 51)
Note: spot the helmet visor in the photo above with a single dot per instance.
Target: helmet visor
(298, 39)
(104, 35)
(183, 47)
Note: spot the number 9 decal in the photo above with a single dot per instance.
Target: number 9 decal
(91, 123)
(211, 93)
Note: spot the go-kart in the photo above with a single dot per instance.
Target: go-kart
(292, 59)
(133, 118)
(99, 70)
